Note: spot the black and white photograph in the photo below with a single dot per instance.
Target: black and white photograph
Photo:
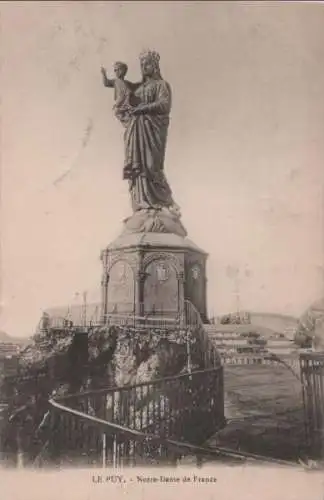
(162, 249)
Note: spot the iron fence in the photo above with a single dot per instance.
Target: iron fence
(312, 375)
(137, 424)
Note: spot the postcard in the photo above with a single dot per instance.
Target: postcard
(162, 258)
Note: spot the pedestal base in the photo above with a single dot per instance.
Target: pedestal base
(155, 221)
(153, 273)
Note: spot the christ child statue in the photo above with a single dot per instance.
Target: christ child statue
(123, 90)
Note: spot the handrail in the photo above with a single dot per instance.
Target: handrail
(147, 317)
(281, 361)
(188, 310)
(122, 431)
(179, 446)
(312, 373)
(133, 386)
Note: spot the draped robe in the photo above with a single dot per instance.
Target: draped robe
(145, 142)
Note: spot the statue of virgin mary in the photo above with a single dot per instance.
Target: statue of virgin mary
(146, 136)
(146, 122)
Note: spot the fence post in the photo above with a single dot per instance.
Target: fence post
(20, 453)
(188, 352)
(104, 446)
(115, 452)
(312, 377)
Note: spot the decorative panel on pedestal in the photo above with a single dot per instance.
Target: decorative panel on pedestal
(161, 294)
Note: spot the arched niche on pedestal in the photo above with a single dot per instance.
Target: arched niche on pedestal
(121, 288)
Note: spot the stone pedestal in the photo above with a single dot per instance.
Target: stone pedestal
(154, 271)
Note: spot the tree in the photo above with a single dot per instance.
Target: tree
(235, 319)
(310, 330)
(305, 332)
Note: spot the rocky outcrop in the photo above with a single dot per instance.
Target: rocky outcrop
(70, 361)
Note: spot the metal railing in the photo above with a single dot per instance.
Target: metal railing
(267, 359)
(152, 423)
(134, 425)
(156, 422)
(312, 375)
(126, 314)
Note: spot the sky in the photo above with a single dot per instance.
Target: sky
(244, 156)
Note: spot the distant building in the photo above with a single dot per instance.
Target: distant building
(65, 315)
(9, 365)
(8, 349)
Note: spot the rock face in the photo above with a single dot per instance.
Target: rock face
(69, 362)
(146, 355)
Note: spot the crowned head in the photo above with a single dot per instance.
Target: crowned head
(150, 63)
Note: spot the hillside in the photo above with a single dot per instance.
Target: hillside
(267, 324)
(239, 330)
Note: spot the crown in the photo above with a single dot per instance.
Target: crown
(150, 54)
